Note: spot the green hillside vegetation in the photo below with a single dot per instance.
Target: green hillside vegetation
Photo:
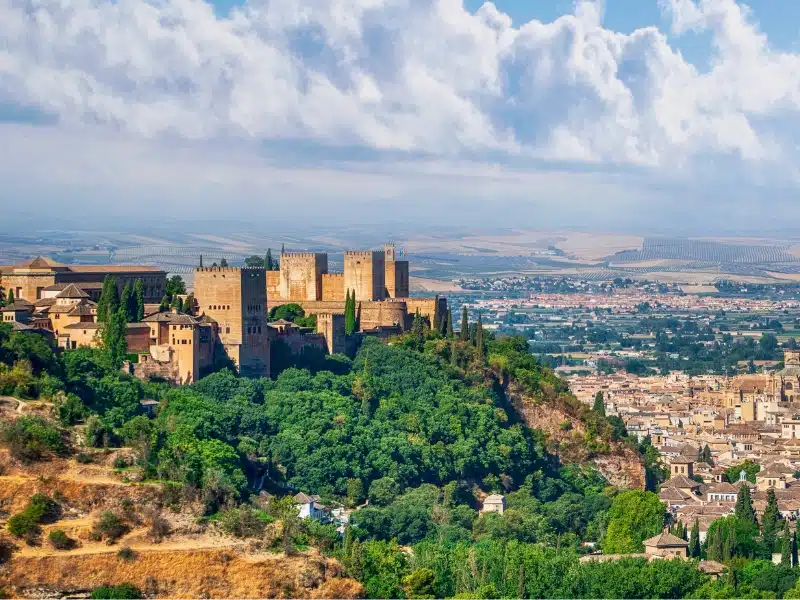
(421, 428)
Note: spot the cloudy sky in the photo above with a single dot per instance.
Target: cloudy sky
(623, 114)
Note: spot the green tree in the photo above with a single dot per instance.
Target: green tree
(127, 303)
(109, 300)
(254, 261)
(138, 295)
(769, 521)
(10, 297)
(223, 262)
(480, 344)
(269, 263)
(744, 505)
(599, 406)
(418, 331)
(463, 334)
(786, 545)
(383, 491)
(350, 313)
(633, 517)
(750, 468)
(355, 491)
(694, 540)
(175, 286)
(794, 548)
(114, 338)
(449, 331)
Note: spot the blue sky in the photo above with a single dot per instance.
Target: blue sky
(397, 109)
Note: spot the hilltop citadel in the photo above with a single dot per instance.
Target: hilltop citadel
(228, 320)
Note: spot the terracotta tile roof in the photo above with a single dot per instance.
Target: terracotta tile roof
(72, 291)
(666, 540)
(681, 482)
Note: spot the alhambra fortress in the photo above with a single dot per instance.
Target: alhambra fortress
(228, 322)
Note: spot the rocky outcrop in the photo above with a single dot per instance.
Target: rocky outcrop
(568, 439)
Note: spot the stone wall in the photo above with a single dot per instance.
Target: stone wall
(301, 275)
(331, 326)
(333, 287)
(273, 284)
(431, 308)
(237, 300)
(397, 279)
(365, 273)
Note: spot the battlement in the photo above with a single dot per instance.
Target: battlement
(302, 254)
(366, 253)
(221, 269)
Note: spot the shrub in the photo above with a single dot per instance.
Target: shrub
(111, 592)
(127, 553)
(159, 527)
(243, 522)
(108, 527)
(60, 540)
(31, 438)
(22, 525)
(84, 458)
(121, 463)
(40, 508)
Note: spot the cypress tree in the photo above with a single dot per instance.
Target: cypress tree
(464, 333)
(138, 295)
(188, 305)
(479, 343)
(223, 262)
(418, 331)
(694, 540)
(786, 546)
(109, 300)
(599, 406)
(453, 353)
(2, 297)
(449, 331)
(744, 505)
(126, 303)
(268, 260)
(794, 549)
(114, 337)
(164, 305)
(350, 313)
(769, 522)
(10, 299)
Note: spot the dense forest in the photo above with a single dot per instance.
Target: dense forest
(414, 434)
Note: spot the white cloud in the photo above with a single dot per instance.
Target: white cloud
(420, 75)
(402, 76)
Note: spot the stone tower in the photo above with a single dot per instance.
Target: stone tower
(237, 300)
(301, 276)
(396, 276)
(365, 273)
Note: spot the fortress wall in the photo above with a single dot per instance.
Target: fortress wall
(397, 279)
(427, 307)
(273, 285)
(364, 272)
(333, 287)
(301, 275)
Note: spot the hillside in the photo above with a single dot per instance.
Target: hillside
(567, 438)
(404, 441)
(190, 559)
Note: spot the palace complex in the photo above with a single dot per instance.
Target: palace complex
(228, 321)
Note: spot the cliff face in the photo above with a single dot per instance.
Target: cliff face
(567, 438)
